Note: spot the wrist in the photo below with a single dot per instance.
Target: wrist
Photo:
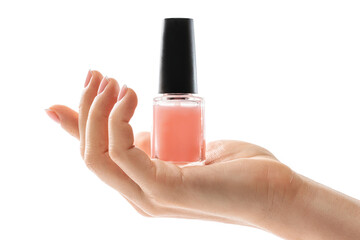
(286, 217)
(285, 192)
(286, 206)
(309, 210)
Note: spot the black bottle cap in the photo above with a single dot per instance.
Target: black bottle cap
(178, 62)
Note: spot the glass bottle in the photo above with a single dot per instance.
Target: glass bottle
(178, 114)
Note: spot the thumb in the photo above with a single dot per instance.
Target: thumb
(66, 117)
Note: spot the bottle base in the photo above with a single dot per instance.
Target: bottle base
(186, 164)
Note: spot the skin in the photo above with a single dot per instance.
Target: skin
(240, 183)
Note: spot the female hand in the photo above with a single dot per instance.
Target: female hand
(240, 182)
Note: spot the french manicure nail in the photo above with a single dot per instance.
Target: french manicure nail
(103, 84)
(88, 77)
(122, 92)
(52, 115)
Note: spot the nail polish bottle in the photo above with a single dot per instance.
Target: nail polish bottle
(178, 113)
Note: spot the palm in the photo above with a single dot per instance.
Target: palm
(218, 151)
(230, 150)
(251, 171)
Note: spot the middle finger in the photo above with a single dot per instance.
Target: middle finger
(93, 81)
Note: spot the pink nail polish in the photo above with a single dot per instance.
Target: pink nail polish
(122, 92)
(103, 84)
(178, 114)
(52, 115)
(88, 77)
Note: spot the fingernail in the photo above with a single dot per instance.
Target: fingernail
(103, 84)
(122, 92)
(52, 115)
(88, 77)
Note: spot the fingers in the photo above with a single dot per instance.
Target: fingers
(97, 124)
(96, 141)
(69, 122)
(130, 159)
(89, 93)
(68, 119)
(91, 127)
(142, 141)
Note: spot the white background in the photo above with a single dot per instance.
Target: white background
(281, 74)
